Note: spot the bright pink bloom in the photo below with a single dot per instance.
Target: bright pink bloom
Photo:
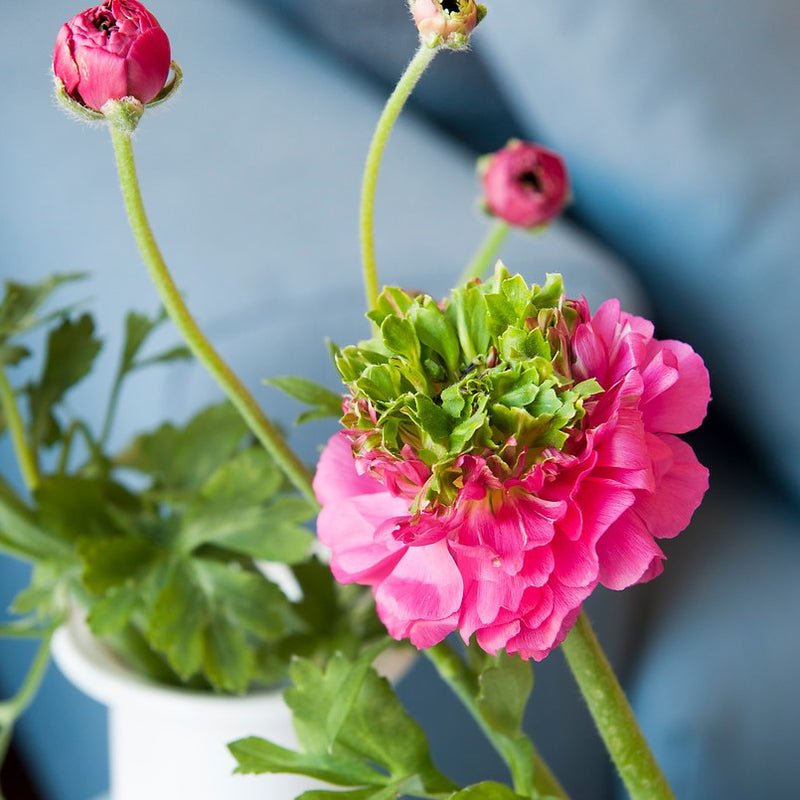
(114, 50)
(514, 557)
(525, 184)
(448, 22)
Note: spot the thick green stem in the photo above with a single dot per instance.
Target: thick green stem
(26, 458)
(462, 681)
(613, 715)
(236, 391)
(486, 253)
(391, 111)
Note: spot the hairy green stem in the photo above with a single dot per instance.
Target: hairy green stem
(26, 458)
(486, 253)
(259, 424)
(391, 112)
(613, 715)
(11, 710)
(462, 681)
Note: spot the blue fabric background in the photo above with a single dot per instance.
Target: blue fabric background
(680, 124)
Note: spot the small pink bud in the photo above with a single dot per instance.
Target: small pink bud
(525, 184)
(446, 22)
(112, 51)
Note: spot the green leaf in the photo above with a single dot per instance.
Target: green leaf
(377, 727)
(518, 293)
(319, 605)
(435, 330)
(325, 401)
(315, 413)
(111, 561)
(21, 302)
(23, 537)
(71, 351)
(501, 312)
(110, 614)
(468, 312)
(43, 596)
(400, 337)
(392, 301)
(73, 508)
(256, 756)
(11, 355)
(432, 419)
(178, 620)
(380, 382)
(255, 604)
(208, 617)
(177, 353)
(465, 430)
(486, 791)
(250, 477)
(505, 687)
(372, 793)
(268, 533)
(228, 662)
(549, 295)
(354, 732)
(349, 690)
(185, 458)
(138, 328)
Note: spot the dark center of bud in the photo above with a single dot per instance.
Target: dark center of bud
(530, 180)
(451, 6)
(105, 22)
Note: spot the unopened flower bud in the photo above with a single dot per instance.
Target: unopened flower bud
(113, 51)
(446, 23)
(524, 184)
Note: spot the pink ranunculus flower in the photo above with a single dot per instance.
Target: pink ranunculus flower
(114, 50)
(524, 184)
(513, 558)
(446, 22)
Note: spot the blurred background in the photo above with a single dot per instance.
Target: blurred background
(680, 125)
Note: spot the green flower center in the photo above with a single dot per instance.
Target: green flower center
(487, 373)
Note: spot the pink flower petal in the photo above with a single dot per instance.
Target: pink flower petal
(336, 475)
(348, 528)
(148, 64)
(104, 76)
(682, 483)
(626, 553)
(425, 585)
(678, 404)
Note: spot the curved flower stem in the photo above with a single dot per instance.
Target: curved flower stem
(12, 709)
(486, 253)
(391, 111)
(236, 391)
(26, 458)
(613, 715)
(462, 681)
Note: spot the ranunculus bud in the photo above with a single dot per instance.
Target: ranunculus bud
(525, 184)
(446, 23)
(112, 51)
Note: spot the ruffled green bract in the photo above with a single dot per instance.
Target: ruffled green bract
(486, 372)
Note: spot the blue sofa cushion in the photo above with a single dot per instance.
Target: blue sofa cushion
(680, 123)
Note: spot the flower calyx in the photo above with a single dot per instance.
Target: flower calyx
(446, 23)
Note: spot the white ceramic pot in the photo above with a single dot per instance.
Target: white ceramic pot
(168, 743)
